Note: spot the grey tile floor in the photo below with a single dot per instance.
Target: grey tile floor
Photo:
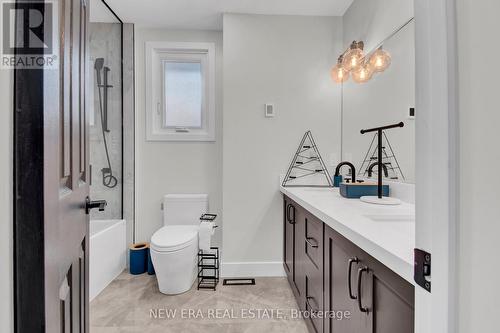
(134, 304)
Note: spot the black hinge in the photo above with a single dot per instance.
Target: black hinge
(422, 268)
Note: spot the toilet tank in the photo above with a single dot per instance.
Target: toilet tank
(184, 209)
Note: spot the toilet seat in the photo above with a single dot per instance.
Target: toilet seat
(174, 237)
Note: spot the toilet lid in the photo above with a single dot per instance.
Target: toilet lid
(174, 237)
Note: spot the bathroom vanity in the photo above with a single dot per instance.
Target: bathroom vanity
(345, 255)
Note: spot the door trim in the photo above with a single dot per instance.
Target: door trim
(437, 161)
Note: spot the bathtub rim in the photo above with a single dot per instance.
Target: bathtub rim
(117, 221)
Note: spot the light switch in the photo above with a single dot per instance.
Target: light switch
(269, 110)
(411, 113)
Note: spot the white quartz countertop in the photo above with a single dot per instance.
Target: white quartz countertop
(387, 233)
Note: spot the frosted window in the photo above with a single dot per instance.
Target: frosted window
(183, 94)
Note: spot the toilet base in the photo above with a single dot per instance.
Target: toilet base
(176, 271)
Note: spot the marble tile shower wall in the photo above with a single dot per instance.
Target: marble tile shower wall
(105, 42)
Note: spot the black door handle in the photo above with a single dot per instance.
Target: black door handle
(100, 204)
(349, 276)
(360, 274)
(288, 215)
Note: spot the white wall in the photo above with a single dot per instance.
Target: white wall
(174, 167)
(285, 60)
(6, 224)
(479, 228)
(373, 20)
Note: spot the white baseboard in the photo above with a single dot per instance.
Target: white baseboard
(252, 269)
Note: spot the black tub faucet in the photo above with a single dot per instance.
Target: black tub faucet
(374, 164)
(353, 170)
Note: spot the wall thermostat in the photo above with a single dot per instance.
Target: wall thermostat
(269, 110)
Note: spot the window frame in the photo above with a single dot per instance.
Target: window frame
(157, 53)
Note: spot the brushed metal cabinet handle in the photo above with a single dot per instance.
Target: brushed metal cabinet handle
(308, 241)
(360, 275)
(309, 304)
(349, 276)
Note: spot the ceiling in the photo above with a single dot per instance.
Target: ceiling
(207, 14)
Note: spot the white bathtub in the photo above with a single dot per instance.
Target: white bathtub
(108, 253)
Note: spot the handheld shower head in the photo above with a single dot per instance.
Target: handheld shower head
(98, 65)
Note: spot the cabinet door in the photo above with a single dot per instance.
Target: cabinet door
(288, 239)
(300, 265)
(340, 292)
(313, 263)
(390, 299)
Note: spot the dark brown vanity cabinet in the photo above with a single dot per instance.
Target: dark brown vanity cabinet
(288, 240)
(293, 254)
(379, 300)
(328, 273)
(303, 259)
(312, 251)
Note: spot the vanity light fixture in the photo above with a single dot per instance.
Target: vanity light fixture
(353, 62)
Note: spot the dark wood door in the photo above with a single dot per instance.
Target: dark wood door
(57, 271)
(67, 178)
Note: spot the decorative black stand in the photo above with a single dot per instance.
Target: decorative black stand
(379, 131)
(208, 269)
(304, 166)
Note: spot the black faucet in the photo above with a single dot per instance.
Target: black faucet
(353, 170)
(89, 204)
(384, 167)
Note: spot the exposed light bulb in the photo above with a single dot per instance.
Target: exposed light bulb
(380, 60)
(354, 56)
(339, 74)
(363, 73)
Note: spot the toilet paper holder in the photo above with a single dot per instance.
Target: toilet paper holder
(209, 218)
(208, 261)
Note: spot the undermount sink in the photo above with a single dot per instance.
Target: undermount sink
(392, 218)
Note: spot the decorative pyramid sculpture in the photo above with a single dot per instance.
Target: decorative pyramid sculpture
(389, 159)
(307, 168)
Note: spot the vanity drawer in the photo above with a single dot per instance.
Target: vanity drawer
(313, 241)
(313, 300)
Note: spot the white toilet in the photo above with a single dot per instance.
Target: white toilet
(174, 247)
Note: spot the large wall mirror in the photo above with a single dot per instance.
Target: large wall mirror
(387, 98)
